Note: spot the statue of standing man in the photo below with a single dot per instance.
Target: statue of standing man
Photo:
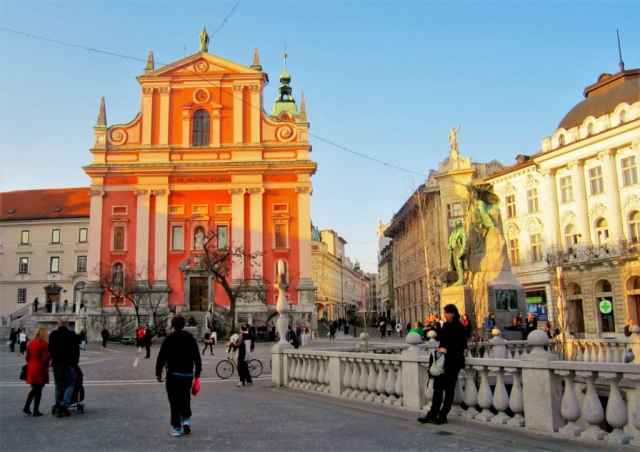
(204, 40)
(452, 138)
(458, 251)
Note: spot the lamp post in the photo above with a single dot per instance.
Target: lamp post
(281, 306)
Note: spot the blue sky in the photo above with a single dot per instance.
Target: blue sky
(386, 79)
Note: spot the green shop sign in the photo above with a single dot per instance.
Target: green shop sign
(605, 306)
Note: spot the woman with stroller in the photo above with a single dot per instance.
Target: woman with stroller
(37, 370)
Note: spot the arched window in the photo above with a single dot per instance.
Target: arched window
(561, 140)
(623, 116)
(201, 121)
(198, 238)
(634, 226)
(602, 231)
(604, 300)
(570, 237)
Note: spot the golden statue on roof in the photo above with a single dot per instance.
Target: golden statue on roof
(204, 40)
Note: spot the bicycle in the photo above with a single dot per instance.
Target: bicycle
(227, 367)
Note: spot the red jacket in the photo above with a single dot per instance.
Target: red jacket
(38, 362)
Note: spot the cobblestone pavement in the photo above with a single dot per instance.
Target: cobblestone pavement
(127, 410)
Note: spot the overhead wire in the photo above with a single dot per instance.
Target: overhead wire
(239, 97)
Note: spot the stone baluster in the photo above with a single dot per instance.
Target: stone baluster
(295, 362)
(381, 383)
(303, 372)
(371, 382)
(516, 401)
(355, 379)
(601, 352)
(321, 373)
(580, 356)
(428, 394)
(617, 356)
(485, 397)
(634, 408)
(570, 408)
(587, 354)
(470, 395)
(608, 357)
(398, 387)
(390, 388)
(327, 376)
(616, 412)
(592, 411)
(346, 380)
(458, 398)
(362, 382)
(312, 373)
(500, 398)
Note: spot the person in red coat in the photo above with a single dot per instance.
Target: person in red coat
(37, 370)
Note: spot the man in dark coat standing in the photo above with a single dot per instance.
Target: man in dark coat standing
(65, 354)
(180, 353)
(147, 341)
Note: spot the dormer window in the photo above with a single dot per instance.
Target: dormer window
(561, 140)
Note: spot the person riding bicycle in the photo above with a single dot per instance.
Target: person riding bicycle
(243, 346)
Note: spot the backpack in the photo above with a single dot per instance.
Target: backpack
(141, 332)
(436, 364)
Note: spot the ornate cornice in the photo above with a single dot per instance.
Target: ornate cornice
(575, 163)
(606, 153)
(147, 90)
(237, 88)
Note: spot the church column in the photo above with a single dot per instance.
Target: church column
(580, 197)
(161, 235)
(552, 225)
(256, 223)
(95, 232)
(607, 157)
(147, 115)
(142, 231)
(237, 227)
(237, 113)
(256, 108)
(164, 115)
(306, 288)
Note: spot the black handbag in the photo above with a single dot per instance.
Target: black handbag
(23, 373)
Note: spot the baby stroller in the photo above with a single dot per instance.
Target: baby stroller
(77, 397)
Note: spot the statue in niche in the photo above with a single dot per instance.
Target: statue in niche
(199, 242)
(458, 251)
(204, 40)
(482, 201)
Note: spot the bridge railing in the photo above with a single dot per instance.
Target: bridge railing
(534, 390)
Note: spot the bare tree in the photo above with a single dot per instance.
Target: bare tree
(151, 294)
(219, 261)
(428, 211)
(119, 280)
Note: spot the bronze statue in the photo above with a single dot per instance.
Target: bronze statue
(204, 40)
(458, 251)
(481, 201)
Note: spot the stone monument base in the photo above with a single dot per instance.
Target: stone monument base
(460, 296)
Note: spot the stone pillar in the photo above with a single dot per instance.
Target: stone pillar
(237, 227)
(256, 222)
(142, 231)
(95, 233)
(614, 217)
(542, 388)
(580, 198)
(238, 106)
(256, 108)
(147, 115)
(161, 233)
(414, 376)
(164, 115)
(552, 221)
(306, 288)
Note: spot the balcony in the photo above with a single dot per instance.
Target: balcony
(604, 255)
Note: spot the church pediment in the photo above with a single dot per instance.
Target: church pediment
(199, 64)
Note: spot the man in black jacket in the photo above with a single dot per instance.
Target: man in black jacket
(244, 347)
(180, 353)
(65, 354)
(147, 341)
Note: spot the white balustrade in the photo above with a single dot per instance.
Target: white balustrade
(616, 413)
(516, 400)
(470, 394)
(485, 396)
(592, 411)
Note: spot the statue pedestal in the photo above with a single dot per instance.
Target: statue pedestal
(460, 296)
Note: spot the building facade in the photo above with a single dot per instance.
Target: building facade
(44, 246)
(203, 160)
(572, 213)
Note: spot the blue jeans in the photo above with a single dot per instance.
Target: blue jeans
(65, 379)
